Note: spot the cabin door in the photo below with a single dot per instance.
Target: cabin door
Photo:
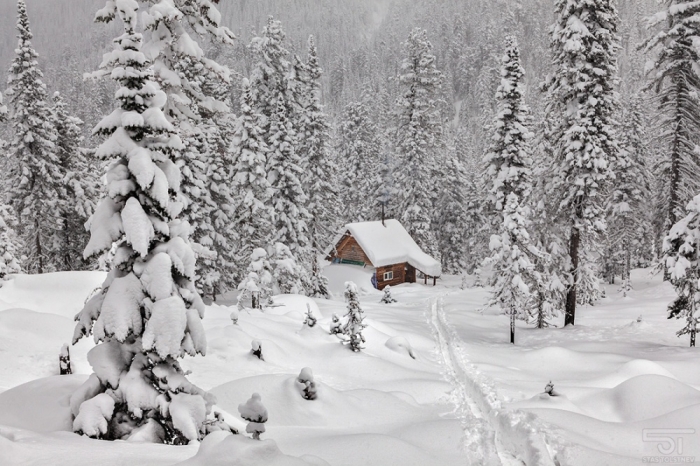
(410, 274)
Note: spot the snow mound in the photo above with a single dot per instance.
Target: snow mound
(332, 408)
(631, 369)
(338, 274)
(223, 449)
(62, 293)
(639, 398)
(42, 405)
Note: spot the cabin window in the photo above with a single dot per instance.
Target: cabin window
(389, 275)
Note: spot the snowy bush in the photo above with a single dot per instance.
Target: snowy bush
(10, 244)
(64, 366)
(288, 274)
(255, 413)
(256, 349)
(336, 327)
(306, 385)
(234, 316)
(387, 298)
(310, 320)
(257, 285)
(354, 324)
(681, 254)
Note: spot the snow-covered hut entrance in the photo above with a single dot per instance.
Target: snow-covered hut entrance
(387, 247)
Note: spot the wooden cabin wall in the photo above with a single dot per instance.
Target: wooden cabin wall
(399, 275)
(349, 249)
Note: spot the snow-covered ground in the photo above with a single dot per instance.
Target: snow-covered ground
(468, 397)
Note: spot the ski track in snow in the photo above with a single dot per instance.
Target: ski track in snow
(484, 423)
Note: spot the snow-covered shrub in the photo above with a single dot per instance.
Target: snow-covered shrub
(255, 413)
(354, 324)
(549, 389)
(288, 274)
(387, 298)
(310, 320)
(400, 344)
(306, 385)
(256, 349)
(234, 316)
(258, 283)
(64, 366)
(10, 244)
(681, 254)
(336, 325)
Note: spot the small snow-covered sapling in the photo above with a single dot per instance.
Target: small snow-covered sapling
(64, 361)
(640, 319)
(306, 384)
(354, 325)
(549, 389)
(255, 413)
(310, 319)
(336, 325)
(257, 349)
(387, 298)
(234, 316)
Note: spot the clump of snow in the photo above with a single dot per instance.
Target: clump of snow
(306, 385)
(94, 416)
(400, 345)
(256, 349)
(255, 413)
(188, 412)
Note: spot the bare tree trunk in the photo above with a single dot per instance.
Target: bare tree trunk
(574, 242)
(512, 326)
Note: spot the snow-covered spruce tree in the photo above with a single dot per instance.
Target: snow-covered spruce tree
(675, 77)
(352, 329)
(419, 139)
(681, 254)
(306, 384)
(80, 187)
(320, 170)
(358, 151)
(629, 194)
(64, 364)
(509, 167)
(284, 167)
(10, 244)
(36, 177)
(254, 217)
(336, 326)
(580, 105)
(189, 80)
(148, 313)
(453, 216)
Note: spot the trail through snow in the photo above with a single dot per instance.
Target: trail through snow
(492, 436)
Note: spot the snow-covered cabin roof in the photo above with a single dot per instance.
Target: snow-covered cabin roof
(389, 243)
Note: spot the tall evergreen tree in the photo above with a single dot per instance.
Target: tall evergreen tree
(79, 187)
(10, 244)
(509, 167)
(580, 106)
(288, 198)
(419, 139)
(254, 218)
(629, 195)
(36, 175)
(148, 313)
(675, 77)
(320, 171)
(359, 149)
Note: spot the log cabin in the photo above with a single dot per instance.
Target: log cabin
(388, 248)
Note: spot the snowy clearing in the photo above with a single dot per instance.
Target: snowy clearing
(469, 397)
